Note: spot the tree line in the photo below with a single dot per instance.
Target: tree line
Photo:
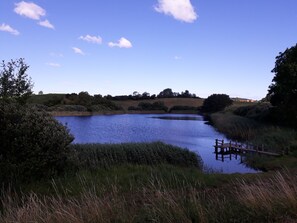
(166, 93)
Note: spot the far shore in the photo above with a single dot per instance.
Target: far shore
(120, 112)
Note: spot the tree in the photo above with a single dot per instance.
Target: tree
(33, 144)
(166, 93)
(283, 90)
(216, 102)
(14, 81)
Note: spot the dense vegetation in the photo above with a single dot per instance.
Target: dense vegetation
(216, 102)
(251, 124)
(94, 156)
(283, 90)
(33, 144)
(146, 106)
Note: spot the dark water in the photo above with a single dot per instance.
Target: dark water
(187, 131)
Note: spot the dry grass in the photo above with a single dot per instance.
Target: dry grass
(268, 199)
(280, 192)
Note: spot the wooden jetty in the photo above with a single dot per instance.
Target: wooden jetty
(230, 147)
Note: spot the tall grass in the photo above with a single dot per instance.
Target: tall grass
(269, 137)
(268, 199)
(274, 138)
(92, 156)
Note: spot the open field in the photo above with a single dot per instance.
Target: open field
(168, 102)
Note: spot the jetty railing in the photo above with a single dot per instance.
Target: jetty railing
(222, 147)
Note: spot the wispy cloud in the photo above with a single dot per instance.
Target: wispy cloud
(78, 51)
(53, 64)
(180, 9)
(122, 43)
(9, 29)
(177, 57)
(46, 24)
(32, 11)
(91, 39)
(53, 54)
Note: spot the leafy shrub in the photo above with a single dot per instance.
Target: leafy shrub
(258, 112)
(146, 106)
(216, 102)
(33, 144)
(79, 108)
(183, 108)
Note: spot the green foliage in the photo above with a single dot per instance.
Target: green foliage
(216, 102)
(283, 90)
(92, 156)
(183, 108)
(74, 102)
(146, 106)
(259, 112)
(14, 81)
(33, 144)
(166, 93)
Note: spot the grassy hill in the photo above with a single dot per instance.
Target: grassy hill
(58, 103)
(168, 102)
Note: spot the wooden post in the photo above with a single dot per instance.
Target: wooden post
(217, 142)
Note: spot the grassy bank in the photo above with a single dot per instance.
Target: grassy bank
(252, 130)
(162, 193)
(151, 182)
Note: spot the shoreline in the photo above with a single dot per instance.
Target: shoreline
(86, 113)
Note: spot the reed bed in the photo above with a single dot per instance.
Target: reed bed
(244, 129)
(268, 199)
(92, 156)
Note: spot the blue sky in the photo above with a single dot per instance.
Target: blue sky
(120, 46)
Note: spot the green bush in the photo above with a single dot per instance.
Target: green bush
(33, 144)
(216, 102)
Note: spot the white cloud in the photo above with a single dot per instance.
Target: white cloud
(122, 43)
(180, 9)
(46, 24)
(30, 10)
(7, 28)
(78, 51)
(91, 39)
(53, 64)
(177, 58)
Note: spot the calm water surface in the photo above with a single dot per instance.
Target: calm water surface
(187, 131)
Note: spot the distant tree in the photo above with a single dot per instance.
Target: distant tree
(216, 102)
(84, 98)
(40, 93)
(153, 96)
(109, 97)
(136, 94)
(166, 93)
(145, 95)
(282, 92)
(186, 94)
(14, 81)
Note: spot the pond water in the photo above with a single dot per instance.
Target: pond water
(187, 131)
